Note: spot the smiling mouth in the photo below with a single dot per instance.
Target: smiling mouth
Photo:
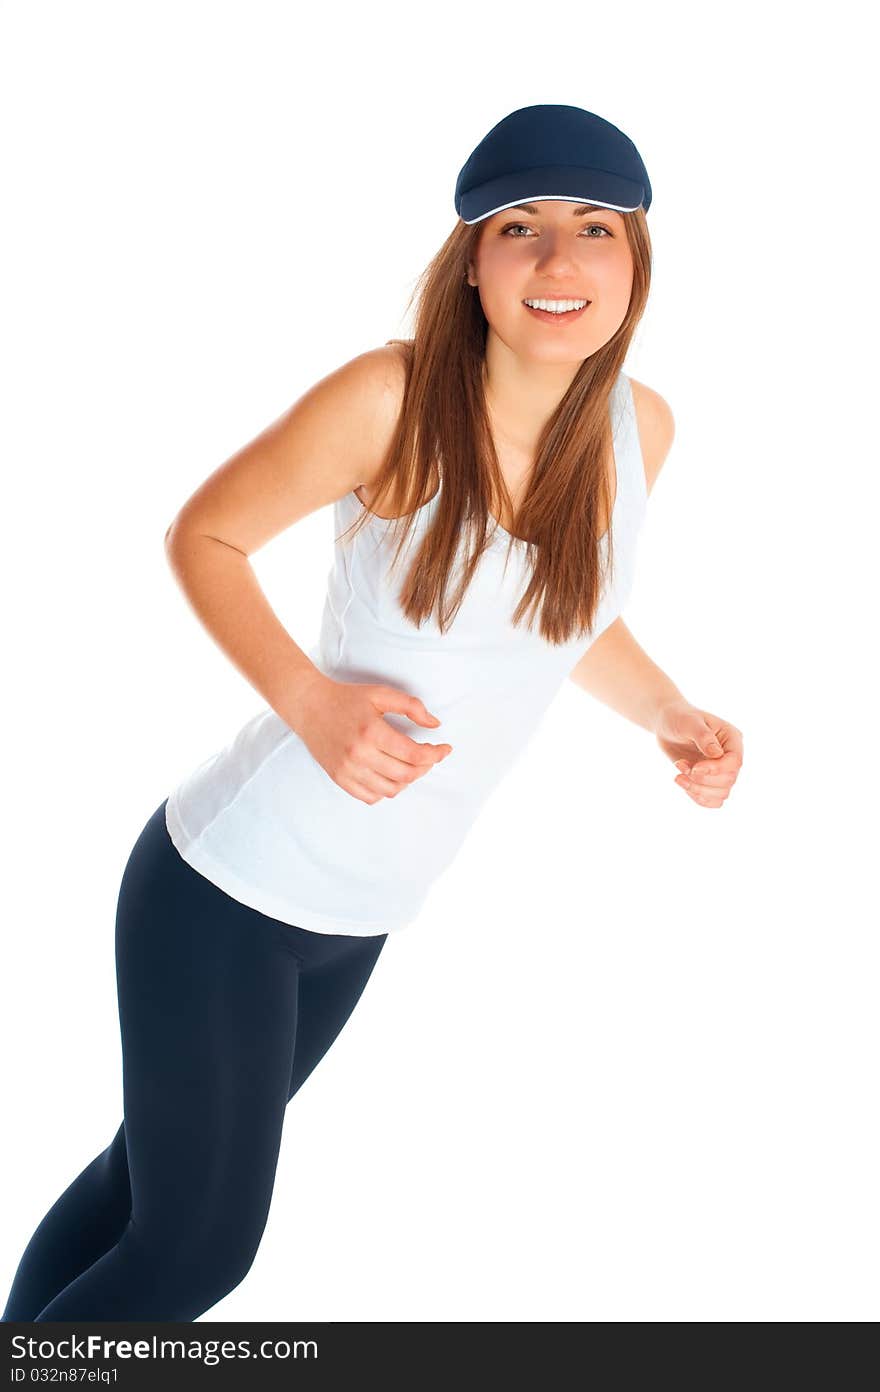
(563, 316)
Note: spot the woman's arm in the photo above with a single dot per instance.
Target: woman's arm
(615, 669)
(706, 750)
(332, 440)
(619, 673)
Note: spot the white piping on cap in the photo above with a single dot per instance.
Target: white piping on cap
(559, 197)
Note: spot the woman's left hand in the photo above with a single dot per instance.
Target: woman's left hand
(707, 751)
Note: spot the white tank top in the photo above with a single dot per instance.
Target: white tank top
(263, 820)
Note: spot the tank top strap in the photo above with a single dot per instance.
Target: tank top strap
(631, 482)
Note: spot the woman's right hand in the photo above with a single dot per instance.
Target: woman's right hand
(343, 727)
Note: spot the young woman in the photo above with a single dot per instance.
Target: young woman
(489, 478)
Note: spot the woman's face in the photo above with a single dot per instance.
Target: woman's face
(553, 250)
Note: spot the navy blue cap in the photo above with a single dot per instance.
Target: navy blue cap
(559, 152)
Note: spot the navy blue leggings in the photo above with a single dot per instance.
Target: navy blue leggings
(223, 1014)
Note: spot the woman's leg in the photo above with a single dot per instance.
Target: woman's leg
(211, 997)
(330, 987)
(85, 1222)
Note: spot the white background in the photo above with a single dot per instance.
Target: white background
(624, 1066)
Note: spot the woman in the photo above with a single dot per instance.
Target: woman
(488, 479)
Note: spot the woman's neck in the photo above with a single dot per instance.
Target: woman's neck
(521, 397)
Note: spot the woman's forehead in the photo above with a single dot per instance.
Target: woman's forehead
(555, 207)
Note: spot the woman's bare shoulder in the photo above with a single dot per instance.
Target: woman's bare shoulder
(390, 364)
(333, 439)
(656, 426)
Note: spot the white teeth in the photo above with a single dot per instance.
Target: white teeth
(557, 306)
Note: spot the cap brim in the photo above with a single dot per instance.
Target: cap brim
(568, 183)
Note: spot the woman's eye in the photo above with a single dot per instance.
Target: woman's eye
(591, 227)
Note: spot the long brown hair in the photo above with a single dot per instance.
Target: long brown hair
(444, 426)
